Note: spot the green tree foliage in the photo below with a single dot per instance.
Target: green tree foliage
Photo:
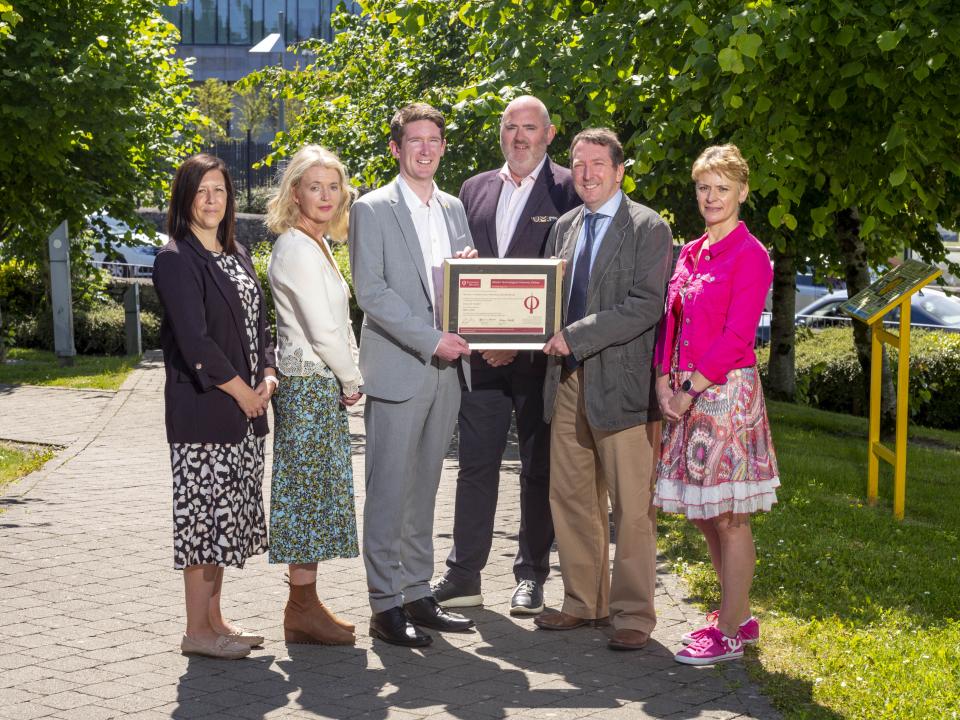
(390, 55)
(8, 20)
(844, 111)
(214, 101)
(92, 115)
(836, 105)
(254, 108)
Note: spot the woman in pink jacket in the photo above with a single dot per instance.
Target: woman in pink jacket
(717, 464)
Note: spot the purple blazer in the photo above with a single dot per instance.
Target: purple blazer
(551, 196)
(205, 344)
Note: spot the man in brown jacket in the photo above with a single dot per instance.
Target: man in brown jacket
(599, 394)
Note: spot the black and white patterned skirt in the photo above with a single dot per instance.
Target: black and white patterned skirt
(218, 514)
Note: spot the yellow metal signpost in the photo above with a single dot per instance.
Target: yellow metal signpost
(869, 306)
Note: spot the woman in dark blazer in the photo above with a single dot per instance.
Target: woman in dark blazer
(220, 374)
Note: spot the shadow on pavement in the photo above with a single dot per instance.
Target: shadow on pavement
(546, 674)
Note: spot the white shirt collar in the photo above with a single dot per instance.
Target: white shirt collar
(534, 174)
(411, 198)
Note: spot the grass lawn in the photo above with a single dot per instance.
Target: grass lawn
(38, 367)
(860, 613)
(17, 461)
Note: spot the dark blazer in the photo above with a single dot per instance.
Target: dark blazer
(615, 340)
(205, 344)
(551, 196)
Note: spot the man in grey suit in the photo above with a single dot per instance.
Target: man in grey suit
(399, 236)
(599, 393)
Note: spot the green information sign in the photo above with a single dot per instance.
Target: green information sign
(880, 298)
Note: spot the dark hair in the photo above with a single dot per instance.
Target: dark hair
(411, 113)
(184, 192)
(600, 136)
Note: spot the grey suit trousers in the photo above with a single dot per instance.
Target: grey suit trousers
(406, 444)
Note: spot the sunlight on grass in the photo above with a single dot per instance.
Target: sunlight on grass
(859, 612)
(38, 367)
(17, 461)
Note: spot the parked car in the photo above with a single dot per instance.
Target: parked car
(930, 309)
(807, 290)
(127, 252)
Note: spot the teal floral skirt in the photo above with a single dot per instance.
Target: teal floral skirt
(312, 515)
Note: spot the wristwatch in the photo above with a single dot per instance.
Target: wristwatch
(687, 387)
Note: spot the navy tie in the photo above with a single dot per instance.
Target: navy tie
(577, 307)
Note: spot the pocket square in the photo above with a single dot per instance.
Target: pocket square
(543, 218)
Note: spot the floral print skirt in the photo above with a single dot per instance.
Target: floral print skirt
(719, 457)
(312, 515)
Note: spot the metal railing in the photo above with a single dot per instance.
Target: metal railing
(123, 269)
(240, 155)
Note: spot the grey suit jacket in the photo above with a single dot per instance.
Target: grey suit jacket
(390, 281)
(615, 340)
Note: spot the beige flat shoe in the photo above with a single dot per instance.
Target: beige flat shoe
(224, 648)
(246, 638)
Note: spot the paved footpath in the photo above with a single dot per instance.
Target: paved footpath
(91, 610)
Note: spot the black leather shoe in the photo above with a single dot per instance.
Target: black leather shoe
(452, 594)
(427, 612)
(527, 598)
(392, 626)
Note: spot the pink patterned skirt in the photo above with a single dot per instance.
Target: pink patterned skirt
(719, 457)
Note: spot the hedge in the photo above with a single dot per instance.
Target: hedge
(829, 375)
(100, 331)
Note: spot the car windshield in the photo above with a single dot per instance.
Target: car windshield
(945, 309)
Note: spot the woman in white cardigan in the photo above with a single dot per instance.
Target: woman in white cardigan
(312, 515)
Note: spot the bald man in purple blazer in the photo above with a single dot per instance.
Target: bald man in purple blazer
(510, 212)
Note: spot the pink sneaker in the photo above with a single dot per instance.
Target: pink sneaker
(711, 647)
(749, 630)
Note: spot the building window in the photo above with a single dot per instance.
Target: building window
(205, 22)
(308, 22)
(245, 22)
(240, 31)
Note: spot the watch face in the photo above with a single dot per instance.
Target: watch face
(686, 385)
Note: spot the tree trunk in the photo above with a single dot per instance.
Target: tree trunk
(3, 345)
(857, 278)
(781, 367)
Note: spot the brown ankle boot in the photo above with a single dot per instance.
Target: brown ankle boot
(306, 620)
(312, 598)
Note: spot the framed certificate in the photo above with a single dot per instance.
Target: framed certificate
(500, 304)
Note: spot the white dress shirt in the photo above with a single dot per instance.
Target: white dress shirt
(513, 198)
(431, 227)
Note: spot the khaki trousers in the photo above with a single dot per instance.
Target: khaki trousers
(586, 467)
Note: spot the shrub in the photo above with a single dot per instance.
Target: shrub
(829, 375)
(99, 331)
(261, 259)
(342, 255)
(149, 300)
(260, 254)
(258, 200)
(21, 288)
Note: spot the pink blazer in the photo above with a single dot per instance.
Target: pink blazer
(723, 296)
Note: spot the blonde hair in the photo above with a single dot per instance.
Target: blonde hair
(282, 210)
(725, 160)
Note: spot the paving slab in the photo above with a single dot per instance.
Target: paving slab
(91, 610)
